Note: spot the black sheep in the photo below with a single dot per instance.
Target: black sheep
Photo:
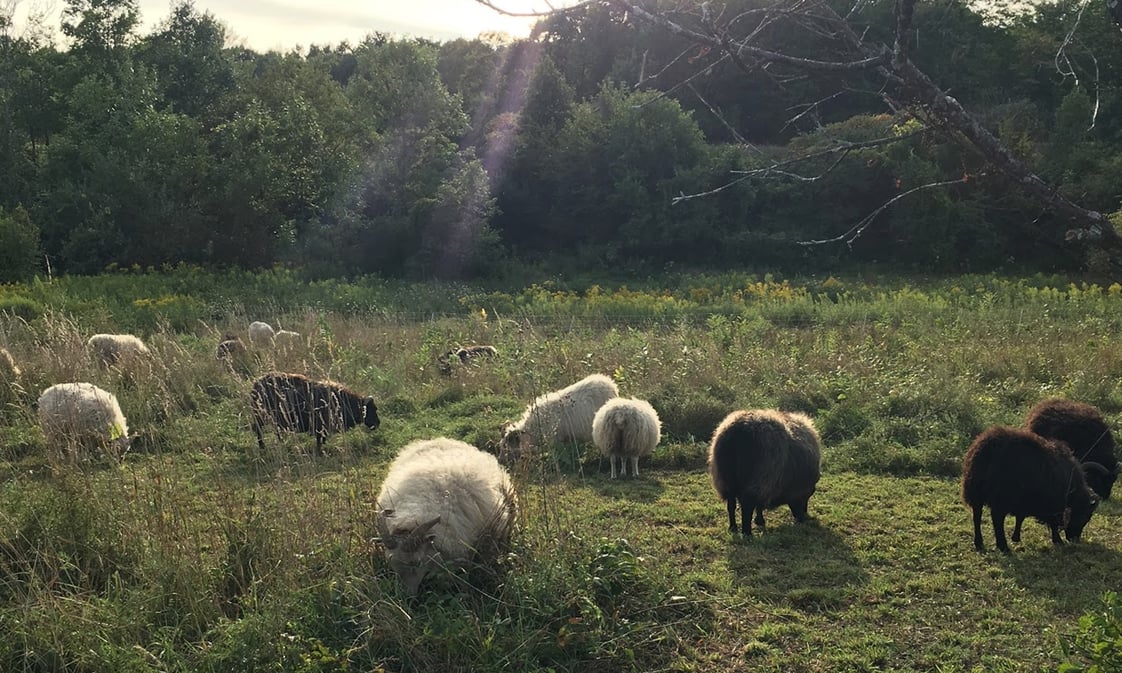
(763, 459)
(1014, 471)
(298, 404)
(1082, 428)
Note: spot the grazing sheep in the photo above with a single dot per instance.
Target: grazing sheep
(443, 503)
(261, 334)
(288, 339)
(1017, 472)
(1082, 428)
(230, 347)
(465, 355)
(81, 414)
(112, 348)
(298, 404)
(764, 458)
(9, 372)
(473, 352)
(561, 416)
(626, 429)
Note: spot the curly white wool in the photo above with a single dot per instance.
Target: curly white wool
(111, 348)
(561, 416)
(626, 428)
(80, 414)
(261, 334)
(443, 502)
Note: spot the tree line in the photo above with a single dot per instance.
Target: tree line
(596, 142)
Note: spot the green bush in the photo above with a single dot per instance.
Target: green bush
(1096, 646)
(19, 246)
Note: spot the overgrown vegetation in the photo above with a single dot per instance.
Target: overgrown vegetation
(199, 553)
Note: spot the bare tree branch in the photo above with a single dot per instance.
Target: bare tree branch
(855, 232)
(548, 11)
(779, 168)
(906, 86)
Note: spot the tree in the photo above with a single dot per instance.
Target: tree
(19, 246)
(755, 38)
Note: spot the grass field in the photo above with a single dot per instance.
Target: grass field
(198, 552)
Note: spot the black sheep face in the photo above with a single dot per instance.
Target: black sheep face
(1077, 517)
(370, 414)
(1100, 480)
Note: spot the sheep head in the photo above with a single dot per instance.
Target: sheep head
(412, 553)
(1078, 514)
(1101, 479)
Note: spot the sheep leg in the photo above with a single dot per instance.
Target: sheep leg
(746, 508)
(732, 514)
(978, 544)
(759, 517)
(798, 509)
(634, 466)
(257, 429)
(1017, 529)
(612, 461)
(999, 529)
(1055, 533)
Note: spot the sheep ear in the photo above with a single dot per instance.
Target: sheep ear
(422, 531)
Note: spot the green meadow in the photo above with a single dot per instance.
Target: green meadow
(199, 552)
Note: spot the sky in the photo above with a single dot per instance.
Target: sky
(283, 24)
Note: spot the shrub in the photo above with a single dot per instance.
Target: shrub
(1096, 646)
(19, 246)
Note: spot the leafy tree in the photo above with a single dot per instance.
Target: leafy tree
(186, 55)
(20, 255)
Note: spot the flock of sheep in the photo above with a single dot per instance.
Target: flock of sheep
(444, 503)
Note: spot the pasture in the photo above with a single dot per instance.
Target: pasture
(199, 552)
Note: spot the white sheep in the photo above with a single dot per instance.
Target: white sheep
(261, 334)
(9, 372)
(288, 339)
(561, 416)
(626, 429)
(81, 414)
(112, 348)
(443, 503)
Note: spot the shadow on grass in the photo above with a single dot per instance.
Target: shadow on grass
(644, 488)
(1073, 576)
(806, 566)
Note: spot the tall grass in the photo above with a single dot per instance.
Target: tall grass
(199, 552)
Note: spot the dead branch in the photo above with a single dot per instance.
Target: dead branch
(856, 230)
(778, 168)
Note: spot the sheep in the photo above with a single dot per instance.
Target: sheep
(561, 416)
(298, 404)
(230, 347)
(1082, 428)
(443, 503)
(1018, 472)
(77, 414)
(261, 334)
(465, 355)
(9, 372)
(626, 428)
(764, 458)
(473, 352)
(113, 348)
(288, 339)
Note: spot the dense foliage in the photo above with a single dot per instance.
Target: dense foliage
(408, 157)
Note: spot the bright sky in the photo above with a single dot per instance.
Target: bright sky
(282, 24)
